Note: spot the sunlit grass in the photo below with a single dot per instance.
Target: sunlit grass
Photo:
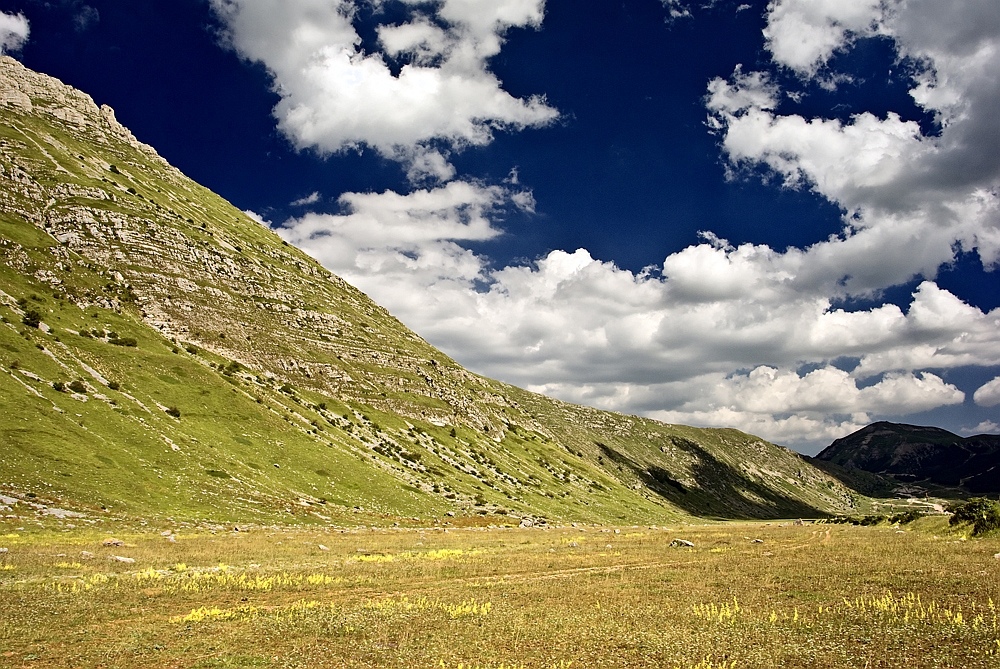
(814, 596)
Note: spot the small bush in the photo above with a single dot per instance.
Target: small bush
(113, 169)
(58, 386)
(32, 318)
(123, 341)
(984, 514)
(174, 411)
(114, 385)
(14, 364)
(78, 386)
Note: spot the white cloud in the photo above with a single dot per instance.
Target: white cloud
(312, 198)
(257, 217)
(14, 31)
(336, 96)
(804, 34)
(988, 394)
(986, 427)
(717, 334)
(665, 342)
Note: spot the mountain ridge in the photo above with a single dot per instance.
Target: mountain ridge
(914, 454)
(211, 354)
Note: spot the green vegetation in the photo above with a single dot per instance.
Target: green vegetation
(983, 514)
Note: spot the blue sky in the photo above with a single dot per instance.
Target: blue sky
(778, 217)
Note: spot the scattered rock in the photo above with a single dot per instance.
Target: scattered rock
(681, 543)
(997, 556)
(3, 550)
(618, 531)
(323, 548)
(574, 544)
(86, 555)
(757, 541)
(609, 546)
(527, 522)
(166, 533)
(799, 522)
(450, 514)
(119, 558)
(113, 542)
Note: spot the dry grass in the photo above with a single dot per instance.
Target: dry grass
(813, 596)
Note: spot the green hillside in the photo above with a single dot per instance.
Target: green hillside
(164, 354)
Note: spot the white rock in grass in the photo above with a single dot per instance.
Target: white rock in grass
(119, 558)
(681, 543)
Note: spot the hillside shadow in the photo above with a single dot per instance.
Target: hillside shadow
(720, 492)
(859, 480)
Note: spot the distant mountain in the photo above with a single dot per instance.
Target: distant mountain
(912, 454)
(163, 353)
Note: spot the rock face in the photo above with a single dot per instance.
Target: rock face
(228, 373)
(913, 454)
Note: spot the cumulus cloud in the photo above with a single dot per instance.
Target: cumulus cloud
(664, 342)
(257, 217)
(717, 334)
(14, 32)
(804, 34)
(986, 427)
(988, 394)
(336, 96)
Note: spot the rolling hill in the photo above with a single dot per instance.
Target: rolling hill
(163, 354)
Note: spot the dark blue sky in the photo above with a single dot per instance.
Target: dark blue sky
(630, 171)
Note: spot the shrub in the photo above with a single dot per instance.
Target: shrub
(14, 364)
(114, 385)
(174, 411)
(113, 169)
(77, 386)
(906, 517)
(123, 341)
(984, 514)
(58, 386)
(32, 318)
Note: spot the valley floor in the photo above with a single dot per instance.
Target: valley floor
(745, 595)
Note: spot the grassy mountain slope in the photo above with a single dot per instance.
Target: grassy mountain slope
(222, 373)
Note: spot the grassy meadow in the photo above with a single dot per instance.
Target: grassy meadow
(746, 595)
